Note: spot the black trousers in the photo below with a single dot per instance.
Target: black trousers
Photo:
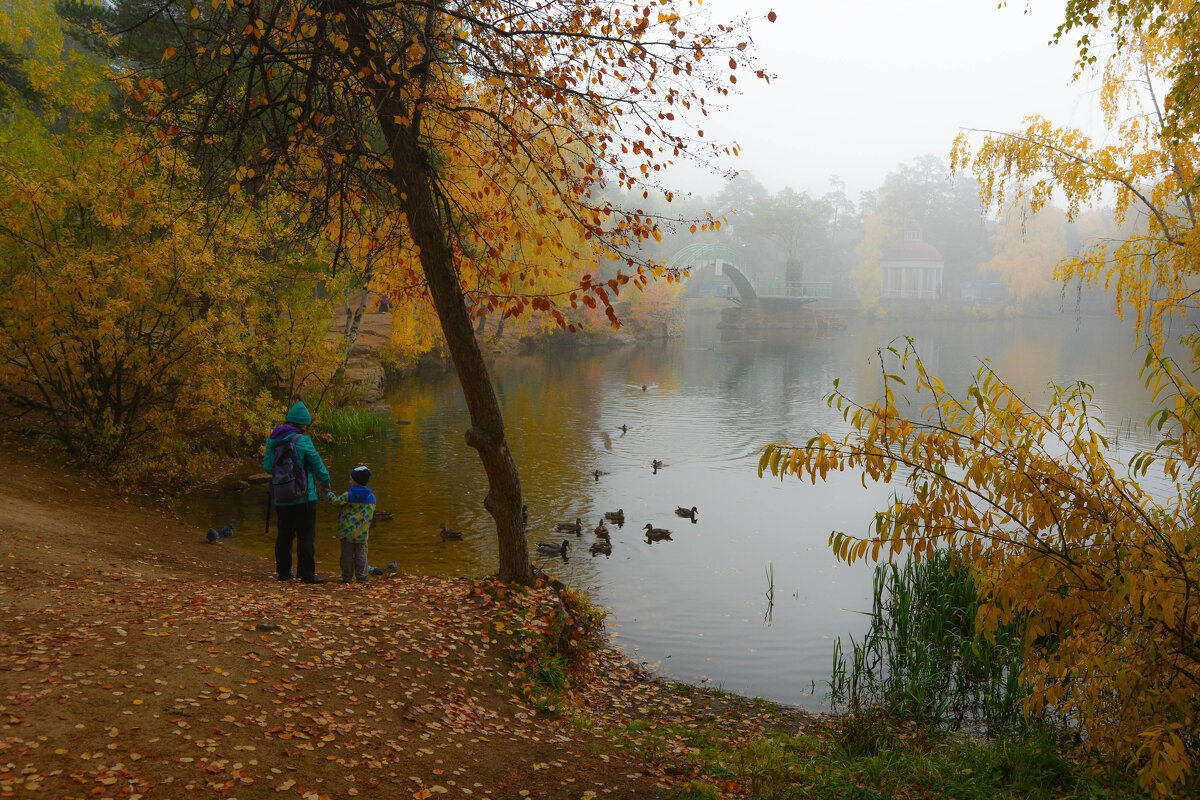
(298, 522)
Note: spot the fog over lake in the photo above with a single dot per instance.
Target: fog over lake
(694, 607)
(861, 87)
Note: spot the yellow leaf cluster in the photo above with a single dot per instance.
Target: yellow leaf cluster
(1146, 171)
(1028, 247)
(136, 330)
(1117, 578)
(528, 120)
(1100, 575)
(67, 79)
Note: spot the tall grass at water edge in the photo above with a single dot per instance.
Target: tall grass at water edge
(919, 678)
(921, 658)
(351, 423)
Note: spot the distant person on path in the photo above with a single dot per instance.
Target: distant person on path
(297, 519)
(354, 524)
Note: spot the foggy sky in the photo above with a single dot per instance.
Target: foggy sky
(863, 86)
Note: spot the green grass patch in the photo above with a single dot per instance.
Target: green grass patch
(705, 760)
(695, 790)
(928, 679)
(350, 423)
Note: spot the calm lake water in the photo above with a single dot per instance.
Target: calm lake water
(695, 608)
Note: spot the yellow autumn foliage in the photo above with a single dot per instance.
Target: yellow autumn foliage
(136, 331)
(65, 78)
(1027, 247)
(527, 267)
(877, 230)
(651, 307)
(1147, 173)
(1102, 576)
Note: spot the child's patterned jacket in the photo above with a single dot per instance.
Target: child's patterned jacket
(354, 520)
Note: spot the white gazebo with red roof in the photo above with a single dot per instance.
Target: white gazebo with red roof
(911, 269)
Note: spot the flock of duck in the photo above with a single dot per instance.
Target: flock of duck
(603, 543)
(214, 535)
(601, 546)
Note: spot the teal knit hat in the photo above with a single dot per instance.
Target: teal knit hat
(298, 414)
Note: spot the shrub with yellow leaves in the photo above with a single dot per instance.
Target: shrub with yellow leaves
(1102, 576)
(133, 330)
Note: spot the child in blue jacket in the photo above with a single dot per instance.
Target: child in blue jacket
(354, 524)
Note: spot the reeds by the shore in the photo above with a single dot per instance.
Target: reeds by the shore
(351, 423)
(922, 660)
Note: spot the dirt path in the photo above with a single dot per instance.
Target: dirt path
(137, 660)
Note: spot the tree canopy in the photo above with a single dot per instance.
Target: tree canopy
(130, 334)
(481, 137)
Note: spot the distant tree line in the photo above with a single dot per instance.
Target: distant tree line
(831, 237)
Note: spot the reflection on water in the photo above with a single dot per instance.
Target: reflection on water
(746, 596)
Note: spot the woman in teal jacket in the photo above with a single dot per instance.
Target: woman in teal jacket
(298, 519)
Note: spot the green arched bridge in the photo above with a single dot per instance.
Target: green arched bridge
(748, 282)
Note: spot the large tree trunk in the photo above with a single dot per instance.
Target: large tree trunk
(412, 178)
(486, 433)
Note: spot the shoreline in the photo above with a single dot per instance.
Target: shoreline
(137, 655)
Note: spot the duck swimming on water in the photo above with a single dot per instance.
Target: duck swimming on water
(575, 527)
(654, 534)
(551, 549)
(617, 516)
(601, 530)
(602, 546)
(680, 511)
(449, 534)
